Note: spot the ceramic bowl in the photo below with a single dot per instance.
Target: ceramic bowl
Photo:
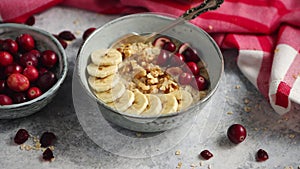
(44, 40)
(104, 36)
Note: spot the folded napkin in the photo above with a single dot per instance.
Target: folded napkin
(265, 32)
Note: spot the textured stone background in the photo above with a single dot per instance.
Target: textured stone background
(279, 136)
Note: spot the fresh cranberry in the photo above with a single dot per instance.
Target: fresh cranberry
(13, 68)
(5, 100)
(21, 136)
(10, 46)
(261, 155)
(42, 70)
(177, 59)
(30, 21)
(200, 83)
(19, 98)
(26, 42)
(33, 93)
(35, 53)
(88, 32)
(6, 58)
(2, 86)
(191, 55)
(236, 133)
(48, 155)
(63, 43)
(31, 73)
(29, 59)
(46, 81)
(49, 58)
(185, 78)
(67, 35)
(160, 42)
(17, 82)
(163, 58)
(191, 67)
(47, 139)
(206, 154)
(169, 46)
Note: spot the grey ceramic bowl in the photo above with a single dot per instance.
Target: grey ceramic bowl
(104, 36)
(44, 40)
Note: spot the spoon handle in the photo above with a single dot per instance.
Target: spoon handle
(190, 14)
(207, 5)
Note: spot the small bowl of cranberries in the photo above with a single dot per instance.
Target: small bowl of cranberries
(187, 45)
(33, 65)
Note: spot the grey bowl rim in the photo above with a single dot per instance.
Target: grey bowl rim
(157, 15)
(63, 74)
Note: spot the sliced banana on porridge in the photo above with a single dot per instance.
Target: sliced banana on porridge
(154, 106)
(106, 57)
(184, 99)
(103, 84)
(124, 102)
(139, 104)
(111, 94)
(169, 103)
(101, 71)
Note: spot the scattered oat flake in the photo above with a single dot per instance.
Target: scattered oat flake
(75, 22)
(178, 152)
(28, 147)
(246, 101)
(291, 136)
(179, 165)
(229, 113)
(138, 134)
(256, 129)
(238, 86)
(77, 32)
(247, 109)
(22, 146)
(201, 163)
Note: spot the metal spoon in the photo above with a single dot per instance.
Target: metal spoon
(190, 14)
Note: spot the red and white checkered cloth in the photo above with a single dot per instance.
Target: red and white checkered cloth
(266, 33)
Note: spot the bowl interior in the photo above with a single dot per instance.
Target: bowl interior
(44, 40)
(145, 23)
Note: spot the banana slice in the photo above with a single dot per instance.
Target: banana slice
(103, 84)
(124, 102)
(106, 57)
(169, 103)
(101, 71)
(139, 104)
(184, 99)
(112, 94)
(154, 106)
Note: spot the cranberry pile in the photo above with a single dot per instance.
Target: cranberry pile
(184, 57)
(25, 72)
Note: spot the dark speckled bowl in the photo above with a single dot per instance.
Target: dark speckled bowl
(44, 40)
(145, 23)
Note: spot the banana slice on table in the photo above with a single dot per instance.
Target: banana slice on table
(124, 102)
(169, 103)
(139, 104)
(101, 71)
(154, 106)
(184, 99)
(103, 84)
(106, 57)
(112, 94)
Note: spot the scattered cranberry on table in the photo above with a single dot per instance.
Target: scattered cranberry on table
(206, 154)
(236, 133)
(261, 155)
(21, 136)
(48, 155)
(47, 139)
(66, 35)
(88, 32)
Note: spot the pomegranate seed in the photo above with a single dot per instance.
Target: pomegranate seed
(5, 100)
(261, 155)
(48, 155)
(47, 139)
(236, 133)
(205, 154)
(88, 32)
(21, 136)
(66, 35)
(30, 21)
(10, 46)
(26, 42)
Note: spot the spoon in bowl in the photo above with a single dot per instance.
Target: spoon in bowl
(190, 14)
